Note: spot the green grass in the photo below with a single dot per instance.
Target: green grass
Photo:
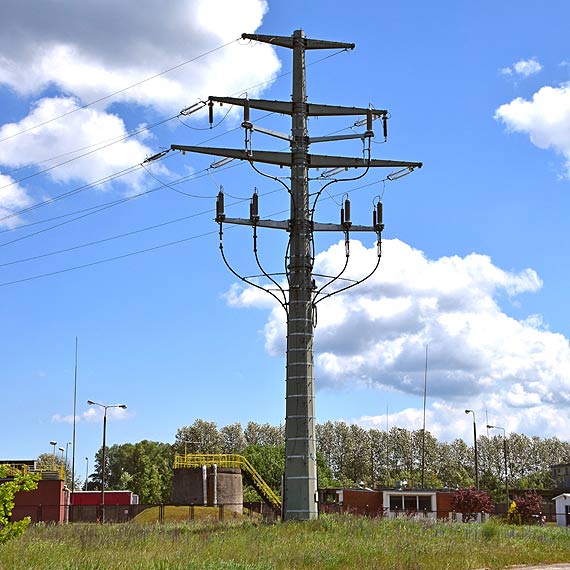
(332, 542)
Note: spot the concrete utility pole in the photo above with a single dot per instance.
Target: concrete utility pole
(300, 480)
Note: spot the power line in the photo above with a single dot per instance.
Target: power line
(106, 143)
(104, 98)
(109, 259)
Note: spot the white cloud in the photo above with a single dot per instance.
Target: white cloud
(83, 128)
(91, 415)
(84, 51)
(95, 47)
(480, 358)
(524, 68)
(12, 198)
(545, 119)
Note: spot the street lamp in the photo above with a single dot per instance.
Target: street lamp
(105, 407)
(66, 447)
(475, 447)
(61, 467)
(54, 443)
(505, 455)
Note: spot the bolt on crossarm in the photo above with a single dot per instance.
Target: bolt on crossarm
(300, 478)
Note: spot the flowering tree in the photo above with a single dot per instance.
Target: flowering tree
(11, 481)
(470, 502)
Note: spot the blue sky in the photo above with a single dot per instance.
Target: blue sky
(475, 246)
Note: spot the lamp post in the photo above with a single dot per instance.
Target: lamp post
(54, 443)
(86, 471)
(65, 463)
(475, 448)
(61, 466)
(105, 407)
(505, 456)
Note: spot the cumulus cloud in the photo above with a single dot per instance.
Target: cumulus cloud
(524, 68)
(545, 119)
(82, 129)
(95, 47)
(12, 198)
(91, 415)
(375, 335)
(64, 55)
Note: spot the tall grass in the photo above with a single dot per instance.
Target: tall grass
(335, 542)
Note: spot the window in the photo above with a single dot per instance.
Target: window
(424, 503)
(395, 502)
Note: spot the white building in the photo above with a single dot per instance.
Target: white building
(562, 509)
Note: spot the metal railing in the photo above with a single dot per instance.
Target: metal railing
(47, 470)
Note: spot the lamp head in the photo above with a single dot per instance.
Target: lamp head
(90, 402)
(490, 427)
(123, 406)
(53, 442)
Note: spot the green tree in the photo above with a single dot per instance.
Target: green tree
(200, 437)
(11, 482)
(232, 438)
(145, 468)
(263, 434)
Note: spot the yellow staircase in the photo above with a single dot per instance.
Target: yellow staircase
(230, 461)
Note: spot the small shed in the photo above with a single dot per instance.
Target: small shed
(562, 509)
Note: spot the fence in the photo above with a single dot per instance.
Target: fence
(60, 513)
(548, 515)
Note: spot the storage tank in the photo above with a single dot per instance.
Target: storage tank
(225, 487)
(210, 486)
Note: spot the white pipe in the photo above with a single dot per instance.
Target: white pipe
(215, 493)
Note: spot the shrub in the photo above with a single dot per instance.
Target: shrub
(470, 502)
(12, 481)
(526, 509)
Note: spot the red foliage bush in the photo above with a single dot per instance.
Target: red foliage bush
(470, 502)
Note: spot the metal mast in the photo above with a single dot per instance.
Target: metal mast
(300, 478)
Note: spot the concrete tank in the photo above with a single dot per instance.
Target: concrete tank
(214, 486)
(188, 487)
(225, 487)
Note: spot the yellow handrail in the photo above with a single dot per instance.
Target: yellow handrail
(230, 461)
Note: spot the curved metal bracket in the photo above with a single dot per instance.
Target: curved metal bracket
(284, 305)
(342, 289)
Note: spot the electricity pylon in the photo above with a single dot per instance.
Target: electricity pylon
(300, 478)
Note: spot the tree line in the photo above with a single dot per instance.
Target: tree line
(347, 455)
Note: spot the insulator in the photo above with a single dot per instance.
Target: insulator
(347, 210)
(254, 207)
(379, 213)
(385, 126)
(374, 218)
(246, 111)
(211, 113)
(369, 120)
(342, 216)
(220, 215)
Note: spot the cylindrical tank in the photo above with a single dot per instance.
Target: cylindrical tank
(188, 487)
(228, 490)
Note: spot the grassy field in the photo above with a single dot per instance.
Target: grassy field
(331, 542)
